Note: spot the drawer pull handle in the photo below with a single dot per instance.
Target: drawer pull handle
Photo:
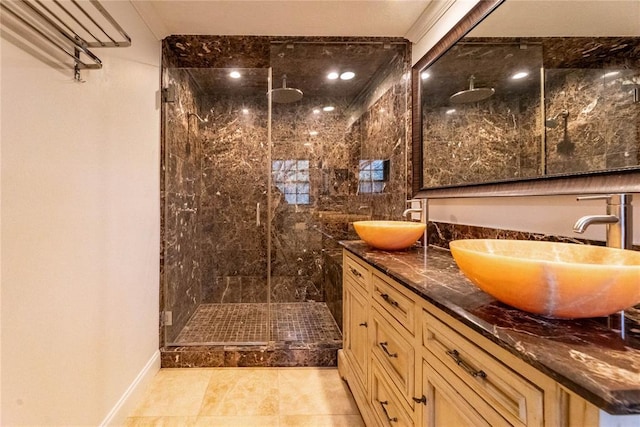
(422, 399)
(355, 272)
(386, 414)
(363, 324)
(383, 346)
(388, 299)
(464, 365)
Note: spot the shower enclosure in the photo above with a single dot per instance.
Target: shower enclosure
(262, 175)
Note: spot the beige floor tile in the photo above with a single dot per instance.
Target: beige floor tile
(237, 421)
(242, 392)
(321, 421)
(174, 392)
(314, 391)
(161, 422)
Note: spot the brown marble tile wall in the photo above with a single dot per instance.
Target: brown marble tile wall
(332, 283)
(233, 246)
(492, 140)
(602, 122)
(203, 51)
(302, 232)
(181, 196)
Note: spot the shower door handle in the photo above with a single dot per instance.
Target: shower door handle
(258, 214)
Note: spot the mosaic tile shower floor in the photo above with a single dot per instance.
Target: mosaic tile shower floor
(309, 322)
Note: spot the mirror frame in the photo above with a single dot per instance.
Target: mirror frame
(611, 181)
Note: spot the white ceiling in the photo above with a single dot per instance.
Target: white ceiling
(391, 18)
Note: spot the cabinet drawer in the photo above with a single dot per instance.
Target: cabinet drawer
(396, 355)
(401, 307)
(355, 271)
(385, 402)
(446, 402)
(515, 398)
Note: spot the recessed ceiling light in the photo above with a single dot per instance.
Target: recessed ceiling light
(425, 75)
(520, 75)
(235, 74)
(332, 75)
(245, 111)
(313, 133)
(451, 111)
(328, 108)
(347, 75)
(316, 111)
(611, 74)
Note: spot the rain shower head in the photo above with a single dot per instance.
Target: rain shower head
(472, 94)
(284, 94)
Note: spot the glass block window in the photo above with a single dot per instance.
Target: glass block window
(373, 175)
(291, 177)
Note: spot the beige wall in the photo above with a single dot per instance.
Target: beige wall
(434, 23)
(554, 215)
(80, 232)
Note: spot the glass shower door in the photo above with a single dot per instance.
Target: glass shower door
(216, 221)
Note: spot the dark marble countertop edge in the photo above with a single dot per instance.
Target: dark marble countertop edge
(615, 402)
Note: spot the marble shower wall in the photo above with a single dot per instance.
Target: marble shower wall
(233, 245)
(493, 140)
(181, 153)
(603, 121)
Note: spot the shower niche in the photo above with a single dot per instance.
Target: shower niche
(261, 179)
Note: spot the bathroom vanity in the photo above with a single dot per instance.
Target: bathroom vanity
(423, 346)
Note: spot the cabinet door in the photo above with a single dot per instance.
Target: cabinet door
(446, 405)
(356, 339)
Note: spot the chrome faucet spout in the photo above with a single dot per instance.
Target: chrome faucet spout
(583, 223)
(411, 210)
(618, 219)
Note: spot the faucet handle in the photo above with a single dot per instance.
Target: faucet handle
(612, 199)
(595, 197)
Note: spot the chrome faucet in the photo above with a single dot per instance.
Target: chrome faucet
(618, 219)
(411, 210)
(422, 209)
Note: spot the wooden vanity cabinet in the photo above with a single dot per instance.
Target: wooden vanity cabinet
(408, 363)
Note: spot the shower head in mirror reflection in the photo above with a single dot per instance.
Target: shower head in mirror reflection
(473, 94)
(552, 122)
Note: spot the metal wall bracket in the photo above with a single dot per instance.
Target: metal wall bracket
(169, 94)
(166, 318)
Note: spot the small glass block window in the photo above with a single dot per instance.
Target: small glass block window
(373, 175)
(291, 177)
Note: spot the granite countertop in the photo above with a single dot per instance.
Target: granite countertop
(584, 355)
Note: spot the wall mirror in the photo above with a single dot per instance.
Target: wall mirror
(536, 89)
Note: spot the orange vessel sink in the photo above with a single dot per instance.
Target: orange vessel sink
(389, 235)
(560, 280)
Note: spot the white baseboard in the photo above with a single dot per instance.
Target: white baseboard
(132, 395)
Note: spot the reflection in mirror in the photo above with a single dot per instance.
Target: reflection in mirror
(527, 94)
